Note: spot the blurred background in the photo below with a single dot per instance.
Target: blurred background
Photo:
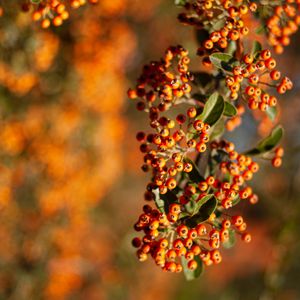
(71, 186)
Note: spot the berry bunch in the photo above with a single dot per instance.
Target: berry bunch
(197, 176)
(174, 246)
(282, 22)
(52, 11)
(253, 69)
(163, 82)
(167, 152)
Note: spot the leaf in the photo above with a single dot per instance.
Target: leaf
(268, 143)
(231, 240)
(202, 201)
(218, 25)
(229, 110)
(194, 206)
(199, 97)
(194, 175)
(257, 47)
(213, 109)
(189, 274)
(261, 29)
(231, 47)
(217, 130)
(180, 2)
(222, 61)
(202, 79)
(201, 35)
(163, 201)
(272, 112)
(236, 200)
(204, 212)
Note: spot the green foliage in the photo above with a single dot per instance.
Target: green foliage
(231, 240)
(204, 212)
(195, 175)
(256, 48)
(272, 112)
(268, 143)
(194, 206)
(180, 2)
(223, 61)
(189, 274)
(163, 201)
(213, 109)
(229, 110)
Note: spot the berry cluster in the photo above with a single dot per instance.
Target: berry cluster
(166, 152)
(197, 177)
(52, 11)
(163, 82)
(283, 22)
(247, 78)
(172, 245)
(239, 169)
(223, 22)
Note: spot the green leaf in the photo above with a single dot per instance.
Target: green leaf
(202, 79)
(199, 97)
(217, 130)
(180, 2)
(261, 29)
(163, 201)
(193, 207)
(213, 109)
(272, 112)
(229, 110)
(236, 200)
(268, 143)
(223, 61)
(204, 212)
(201, 35)
(231, 240)
(257, 47)
(189, 274)
(218, 25)
(231, 47)
(194, 175)
(201, 202)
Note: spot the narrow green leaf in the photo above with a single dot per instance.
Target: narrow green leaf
(189, 274)
(160, 204)
(194, 175)
(223, 61)
(217, 130)
(257, 47)
(261, 29)
(193, 207)
(272, 112)
(201, 202)
(268, 143)
(213, 109)
(163, 201)
(204, 212)
(201, 35)
(231, 47)
(202, 79)
(229, 110)
(180, 2)
(231, 241)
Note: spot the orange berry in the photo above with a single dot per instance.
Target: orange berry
(277, 162)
